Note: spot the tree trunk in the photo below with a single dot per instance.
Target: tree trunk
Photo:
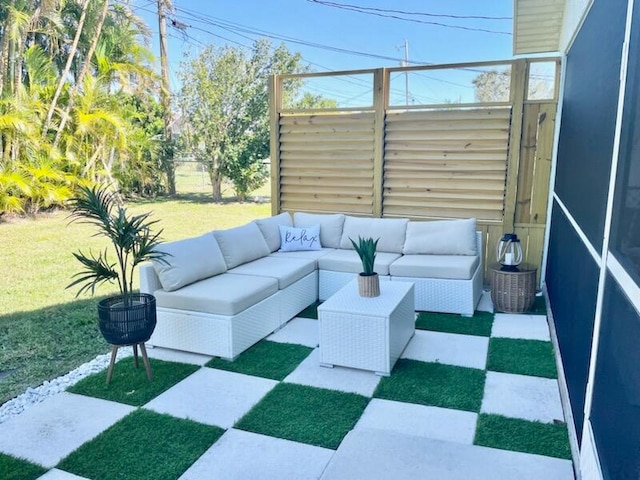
(83, 71)
(4, 56)
(216, 180)
(67, 68)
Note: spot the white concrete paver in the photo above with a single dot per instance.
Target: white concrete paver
(242, 455)
(310, 373)
(51, 430)
(303, 331)
(420, 420)
(213, 397)
(381, 455)
(522, 396)
(452, 349)
(485, 304)
(511, 325)
(56, 474)
(170, 355)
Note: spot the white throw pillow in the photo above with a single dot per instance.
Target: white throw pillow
(330, 226)
(294, 239)
(270, 231)
(390, 231)
(241, 244)
(188, 261)
(441, 237)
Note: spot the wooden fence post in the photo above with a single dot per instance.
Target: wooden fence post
(380, 102)
(517, 97)
(275, 105)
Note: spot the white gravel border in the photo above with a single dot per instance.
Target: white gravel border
(33, 396)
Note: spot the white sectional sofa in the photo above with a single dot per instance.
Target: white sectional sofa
(221, 292)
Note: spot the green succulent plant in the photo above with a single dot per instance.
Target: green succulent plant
(366, 249)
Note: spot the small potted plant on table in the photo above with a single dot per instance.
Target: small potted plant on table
(368, 280)
(127, 319)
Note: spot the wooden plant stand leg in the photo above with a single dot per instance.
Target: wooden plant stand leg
(135, 354)
(114, 352)
(145, 359)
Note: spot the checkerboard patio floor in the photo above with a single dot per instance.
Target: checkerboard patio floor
(391, 439)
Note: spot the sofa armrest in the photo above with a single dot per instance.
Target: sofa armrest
(479, 237)
(149, 281)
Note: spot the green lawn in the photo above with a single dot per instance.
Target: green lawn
(44, 330)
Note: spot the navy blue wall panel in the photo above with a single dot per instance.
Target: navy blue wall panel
(589, 115)
(615, 413)
(572, 283)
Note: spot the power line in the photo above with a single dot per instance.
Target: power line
(404, 12)
(354, 8)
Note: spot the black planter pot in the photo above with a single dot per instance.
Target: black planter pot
(130, 322)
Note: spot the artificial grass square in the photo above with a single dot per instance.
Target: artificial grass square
(524, 357)
(550, 439)
(434, 384)
(130, 385)
(305, 414)
(265, 359)
(539, 306)
(480, 324)
(310, 312)
(12, 468)
(143, 445)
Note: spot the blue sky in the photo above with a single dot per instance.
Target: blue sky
(242, 21)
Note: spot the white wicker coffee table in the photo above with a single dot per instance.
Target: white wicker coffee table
(367, 333)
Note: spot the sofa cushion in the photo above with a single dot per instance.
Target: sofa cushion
(188, 261)
(458, 267)
(225, 294)
(306, 254)
(285, 270)
(348, 261)
(294, 239)
(441, 237)
(241, 244)
(270, 229)
(390, 231)
(330, 226)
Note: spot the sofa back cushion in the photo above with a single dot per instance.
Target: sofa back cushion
(188, 261)
(330, 226)
(242, 244)
(390, 231)
(270, 228)
(441, 237)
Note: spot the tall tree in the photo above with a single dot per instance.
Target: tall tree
(224, 105)
(495, 85)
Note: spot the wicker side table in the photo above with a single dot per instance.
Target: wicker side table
(513, 291)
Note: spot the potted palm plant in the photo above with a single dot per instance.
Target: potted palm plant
(130, 317)
(368, 280)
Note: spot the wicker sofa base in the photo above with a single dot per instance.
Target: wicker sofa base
(227, 336)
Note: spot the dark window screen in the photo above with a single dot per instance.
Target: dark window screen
(572, 282)
(589, 116)
(625, 230)
(615, 413)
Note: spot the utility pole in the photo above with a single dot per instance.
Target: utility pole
(405, 63)
(406, 73)
(165, 95)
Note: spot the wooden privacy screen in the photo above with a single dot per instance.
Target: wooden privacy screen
(447, 163)
(326, 163)
(491, 160)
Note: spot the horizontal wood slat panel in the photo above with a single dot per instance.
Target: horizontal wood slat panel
(326, 162)
(329, 119)
(450, 115)
(446, 163)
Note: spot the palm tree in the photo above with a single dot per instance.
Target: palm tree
(130, 237)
